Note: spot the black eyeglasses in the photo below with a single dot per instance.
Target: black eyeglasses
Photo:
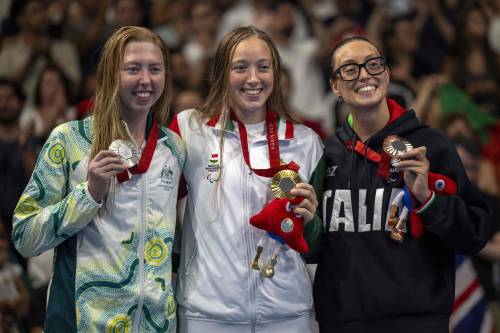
(350, 72)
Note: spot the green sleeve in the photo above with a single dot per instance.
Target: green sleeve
(313, 229)
(48, 212)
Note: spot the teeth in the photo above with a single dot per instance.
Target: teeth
(367, 88)
(143, 93)
(252, 91)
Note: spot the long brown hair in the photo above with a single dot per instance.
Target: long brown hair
(218, 100)
(107, 124)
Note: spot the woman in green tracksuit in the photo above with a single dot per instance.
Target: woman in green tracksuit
(112, 225)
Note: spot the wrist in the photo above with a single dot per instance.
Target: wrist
(423, 196)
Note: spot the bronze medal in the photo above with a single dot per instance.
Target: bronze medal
(395, 146)
(127, 151)
(283, 182)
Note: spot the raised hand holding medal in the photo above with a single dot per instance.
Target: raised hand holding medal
(397, 147)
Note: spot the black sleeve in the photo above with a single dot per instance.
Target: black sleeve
(463, 220)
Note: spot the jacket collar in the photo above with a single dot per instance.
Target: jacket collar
(286, 128)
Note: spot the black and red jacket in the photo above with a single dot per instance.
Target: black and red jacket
(367, 282)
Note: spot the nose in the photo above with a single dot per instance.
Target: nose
(363, 73)
(253, 77)
(145, 77)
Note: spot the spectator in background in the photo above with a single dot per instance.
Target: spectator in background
(286, 88)
(487, 262)
(14, 297)
(200, 46)
(255, 13)
(204, 19)
(187, 99)
(39, 271)
(476, 69)
(301, 57)
(128, 13)
(52, 106)
(85, 25)
(17, 158)
(24, 55)
(181, 72)
(170, 20)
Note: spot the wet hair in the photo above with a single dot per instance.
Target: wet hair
(107, 124)
(343, 42)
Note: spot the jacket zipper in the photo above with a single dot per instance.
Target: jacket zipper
(140, 254)
(249, 248)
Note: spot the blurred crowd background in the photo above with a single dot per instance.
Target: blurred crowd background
(444, 59)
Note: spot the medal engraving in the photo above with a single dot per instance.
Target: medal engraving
(395, 146)
(126, 150)
(283, 182)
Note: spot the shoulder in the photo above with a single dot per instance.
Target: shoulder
(300, 130)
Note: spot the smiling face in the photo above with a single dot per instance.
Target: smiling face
(142, 77)
(251, 79)
(367, 91)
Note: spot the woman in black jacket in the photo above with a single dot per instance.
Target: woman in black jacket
(393, 218)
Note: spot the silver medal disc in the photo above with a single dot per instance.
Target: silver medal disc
(126, 150)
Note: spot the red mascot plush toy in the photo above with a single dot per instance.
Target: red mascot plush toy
(278, 219)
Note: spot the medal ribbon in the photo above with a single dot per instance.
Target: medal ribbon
(146, 157)
(272, 144)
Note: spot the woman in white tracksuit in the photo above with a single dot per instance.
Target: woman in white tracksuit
(232, 142)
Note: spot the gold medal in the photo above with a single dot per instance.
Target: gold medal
(127, 151)
(395, 146)
(268, 270)
(283, 182)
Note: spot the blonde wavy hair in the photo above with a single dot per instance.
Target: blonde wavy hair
(107, 124)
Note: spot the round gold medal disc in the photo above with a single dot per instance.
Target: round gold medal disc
(283, 182)
(395, 146)
(126, 150)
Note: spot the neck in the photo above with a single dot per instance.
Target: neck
(250, 116)
(369, 121)
(137, 127)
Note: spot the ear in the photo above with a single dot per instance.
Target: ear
(334, 87)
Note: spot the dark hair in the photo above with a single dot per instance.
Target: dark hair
(471, 146)
(343, 42)
(64, 79)
(14, 86)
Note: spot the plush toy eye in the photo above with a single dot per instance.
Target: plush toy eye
(288, 206)
(439, 184)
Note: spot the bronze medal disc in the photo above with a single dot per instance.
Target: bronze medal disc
(283, 182)
(126, 150)
(395, 146)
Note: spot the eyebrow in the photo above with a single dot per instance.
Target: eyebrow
(244, 60)
(352, 61)
(140, 63)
